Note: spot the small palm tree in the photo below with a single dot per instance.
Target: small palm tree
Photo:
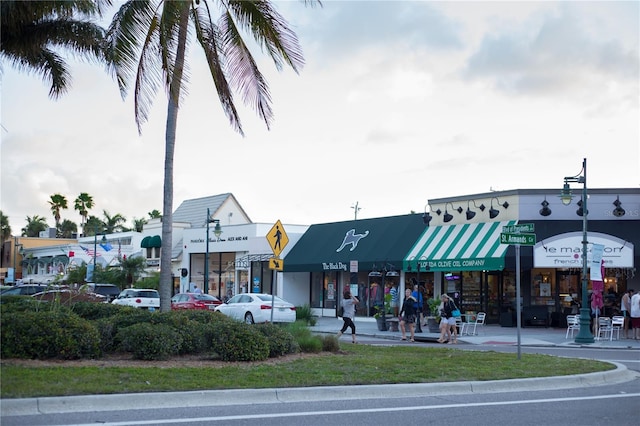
(35, 225)
(68, 228)
(138, 224)
(30, 30)
(148, 44)
(113, 223)
(5, 228)
(94, 226)
(155, 214)
(57, 202)
(83, 203)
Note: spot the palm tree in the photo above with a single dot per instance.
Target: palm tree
(35, 225)
(113, 223)
(138, 224)
(155, 214)
(83, 203)
(148, 42)
(58, 202)
(30, 30)
(68, 228)
(94, 226)
(5, 228)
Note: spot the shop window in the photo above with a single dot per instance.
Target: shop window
(542, 288)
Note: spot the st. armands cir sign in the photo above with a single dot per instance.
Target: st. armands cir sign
(565, 251)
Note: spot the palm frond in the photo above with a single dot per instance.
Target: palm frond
(209, 37)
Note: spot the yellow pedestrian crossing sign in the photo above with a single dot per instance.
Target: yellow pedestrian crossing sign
(277, 238)
(276, 264)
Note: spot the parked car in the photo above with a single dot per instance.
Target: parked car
(143, 298)
(26, 289)
(257, 307)
(66, 296)
(194, 301)
(110, 291)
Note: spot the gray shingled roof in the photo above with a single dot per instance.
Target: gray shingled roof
(195, 211)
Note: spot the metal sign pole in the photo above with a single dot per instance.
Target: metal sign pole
(518, 304)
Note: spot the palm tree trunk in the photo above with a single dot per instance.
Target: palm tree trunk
(166, 277)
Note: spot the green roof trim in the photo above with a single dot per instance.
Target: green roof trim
(375, 242)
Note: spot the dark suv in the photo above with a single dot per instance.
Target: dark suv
(26, 289)
(110, 291)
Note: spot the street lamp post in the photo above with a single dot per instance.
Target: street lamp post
(91, 277)
(584, 335)
(217, 230)
(16, 244)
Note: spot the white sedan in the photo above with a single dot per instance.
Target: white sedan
(142, 298)
(257, 307)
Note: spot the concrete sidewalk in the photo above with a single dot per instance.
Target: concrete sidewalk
(491, 334)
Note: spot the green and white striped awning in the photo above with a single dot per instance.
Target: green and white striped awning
(464, 247)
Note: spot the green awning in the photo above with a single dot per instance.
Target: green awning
(332, 246)
(148, 241)
(155, 241)
(464, 247)
(61, 259)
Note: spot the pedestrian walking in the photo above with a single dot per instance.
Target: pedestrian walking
(349, 303)
(448, 329)
(408, 316)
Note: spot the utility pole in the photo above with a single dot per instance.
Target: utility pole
(356, 210)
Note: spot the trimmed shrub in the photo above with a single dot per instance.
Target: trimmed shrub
(237, 341)
(18, 303)
(48, 334)
(95, 311)
(330, 343)
(193, 333)
(281, 342)
(150, 341)
(126, 316)
(310, 343)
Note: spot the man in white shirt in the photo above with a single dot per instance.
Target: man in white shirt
(635, 315)
(625, 307)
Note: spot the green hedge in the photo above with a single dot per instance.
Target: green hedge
(150, 341)
(48, 334)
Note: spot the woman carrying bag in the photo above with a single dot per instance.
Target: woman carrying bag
(448, 321)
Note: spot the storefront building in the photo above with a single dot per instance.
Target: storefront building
(465, 253)
(456, 248)
(366, 255)
(237, 259)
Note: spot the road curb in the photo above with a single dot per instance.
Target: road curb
(95, 403)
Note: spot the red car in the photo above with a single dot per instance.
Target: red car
(194, 301)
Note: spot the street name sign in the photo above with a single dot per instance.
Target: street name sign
(520, 239)
(521, 228)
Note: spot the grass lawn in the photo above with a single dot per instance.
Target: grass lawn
(353, 365)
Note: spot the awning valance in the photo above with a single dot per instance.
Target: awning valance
(463, 247)
(373, 243)
(61, 259)
(149, 241)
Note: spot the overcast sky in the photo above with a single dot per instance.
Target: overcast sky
(399, 102)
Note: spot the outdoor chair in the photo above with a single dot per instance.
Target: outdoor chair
(617, 323)
(604, 329)
(573, 324)
(471, 328)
